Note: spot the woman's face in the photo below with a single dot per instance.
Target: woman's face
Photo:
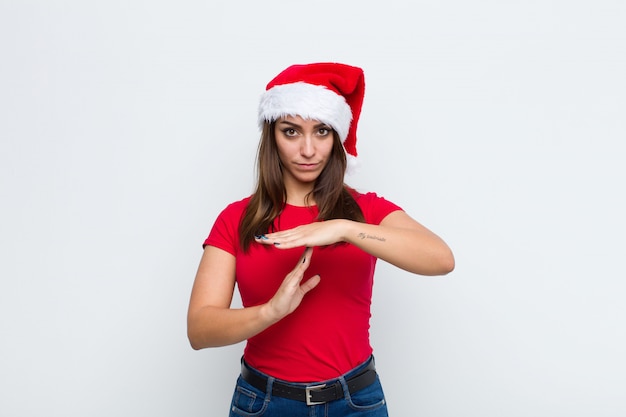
(304, 148)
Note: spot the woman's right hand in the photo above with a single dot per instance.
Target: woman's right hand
(292, 290)
(212, 322)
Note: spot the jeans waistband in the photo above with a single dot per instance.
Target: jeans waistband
(315, 393)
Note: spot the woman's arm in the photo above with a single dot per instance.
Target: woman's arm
(210, 320)
(403, 242)
(399, 240)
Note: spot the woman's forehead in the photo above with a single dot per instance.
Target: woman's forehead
(299, 120)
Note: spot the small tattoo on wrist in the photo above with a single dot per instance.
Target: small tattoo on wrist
(366, 236)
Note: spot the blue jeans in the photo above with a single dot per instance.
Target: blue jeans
(248, 401)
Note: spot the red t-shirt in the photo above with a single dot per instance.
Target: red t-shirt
(328, 334)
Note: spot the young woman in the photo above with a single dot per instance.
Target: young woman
(302, 250)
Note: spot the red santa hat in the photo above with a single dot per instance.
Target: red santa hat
(329, 92)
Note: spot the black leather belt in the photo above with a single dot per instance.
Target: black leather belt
(312, 394)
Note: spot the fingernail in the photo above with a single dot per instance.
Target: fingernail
(275, 243)
(304, 260)
(260, 237)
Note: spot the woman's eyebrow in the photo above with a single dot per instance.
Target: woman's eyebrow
(286, 122)
(317, 126)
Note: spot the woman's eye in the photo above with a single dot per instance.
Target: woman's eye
(289, 132)
(323, 131)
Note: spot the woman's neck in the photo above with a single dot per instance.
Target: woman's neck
(299, 194)
(300, 199)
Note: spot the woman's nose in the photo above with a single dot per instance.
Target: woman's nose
(308, 147)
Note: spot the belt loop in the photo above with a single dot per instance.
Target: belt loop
(344, 387)
(270, 385)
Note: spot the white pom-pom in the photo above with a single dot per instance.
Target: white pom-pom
(352, 166)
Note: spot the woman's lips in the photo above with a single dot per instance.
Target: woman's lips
(307, 167)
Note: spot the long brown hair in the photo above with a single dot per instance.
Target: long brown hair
(333, 198)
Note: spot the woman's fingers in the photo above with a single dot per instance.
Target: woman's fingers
(310, 284)
(297, 273)
(292, 290)
(314, 280)
(313, 234)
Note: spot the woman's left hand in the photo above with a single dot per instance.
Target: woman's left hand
(313, 234)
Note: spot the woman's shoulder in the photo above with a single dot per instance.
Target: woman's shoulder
(236, 207)
(374, 206)
(365, 197)
(243, 203)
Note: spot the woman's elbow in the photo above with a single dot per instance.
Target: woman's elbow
(195, 335)
(439, 264)
(446, 262)
(194, 340)
(195, 345)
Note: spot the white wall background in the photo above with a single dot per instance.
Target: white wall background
(126, 126)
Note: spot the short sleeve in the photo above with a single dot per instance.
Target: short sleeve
(225, 231)
(375, 208)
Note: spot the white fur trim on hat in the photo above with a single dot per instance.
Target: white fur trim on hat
(308, 101)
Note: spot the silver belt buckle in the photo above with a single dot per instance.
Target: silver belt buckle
(307, 392)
